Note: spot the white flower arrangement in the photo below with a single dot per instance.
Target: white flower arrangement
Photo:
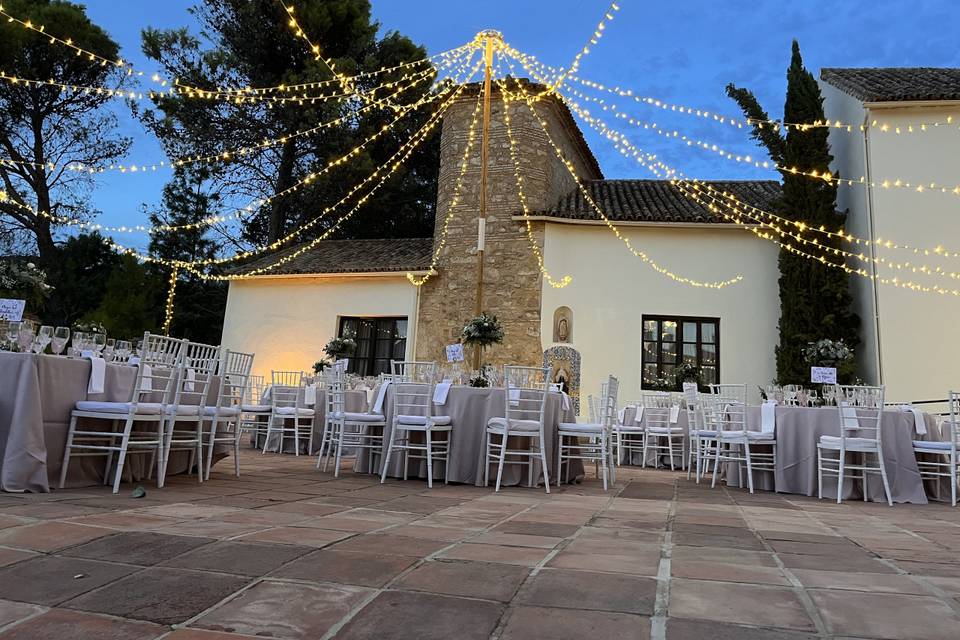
(827, 352)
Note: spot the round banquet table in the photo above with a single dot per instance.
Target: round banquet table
(37, 394)
(469, 409)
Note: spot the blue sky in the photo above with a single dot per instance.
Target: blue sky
(683, 52)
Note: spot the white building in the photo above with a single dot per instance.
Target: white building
(620, 315)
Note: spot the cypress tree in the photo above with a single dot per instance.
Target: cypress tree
(815, 299)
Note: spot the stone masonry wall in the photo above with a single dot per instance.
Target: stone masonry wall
(512, 281)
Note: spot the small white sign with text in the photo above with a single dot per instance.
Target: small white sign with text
(12, 309)
(823, 375)
(455, 352)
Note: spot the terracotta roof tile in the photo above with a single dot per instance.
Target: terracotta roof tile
(896, 84)
(351, 256)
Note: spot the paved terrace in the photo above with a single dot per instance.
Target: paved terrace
(288, 552)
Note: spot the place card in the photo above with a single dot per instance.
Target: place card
(12, 309)
(823, 375)
(455, 352)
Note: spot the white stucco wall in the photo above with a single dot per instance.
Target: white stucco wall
(287, 321)
(908, 339)
(612, 289)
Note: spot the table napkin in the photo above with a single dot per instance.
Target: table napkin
(674, 414)
(191, 378)
(639, 417)
(310, 394)
(768, 417)
(378, 405)
(514, 395)
(146, 384)
(621, 414)
(565, 401)
(98, 370)
(918, 421)
(849, 415)
(441, 391)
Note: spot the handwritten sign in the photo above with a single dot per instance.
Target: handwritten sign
(12, 309)
(823, 375)
(455, 352)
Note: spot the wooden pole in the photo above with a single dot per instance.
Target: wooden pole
(488, 37)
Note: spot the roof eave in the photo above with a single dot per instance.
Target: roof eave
(339, 275)
(636, 223)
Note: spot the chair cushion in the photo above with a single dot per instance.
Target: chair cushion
(750, 435)
(256, 408)
(421, 421)
(230, 412)
(931, 445)
(499, 424)
(624, 428)
(853, 444)
(581, 427)
(350, 416)
(664, 430)
(291, 411)
(703, 433)
(143, 408)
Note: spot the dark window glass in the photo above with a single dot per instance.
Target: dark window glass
(669, 340)
(378, 341)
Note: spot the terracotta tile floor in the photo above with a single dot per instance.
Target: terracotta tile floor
(288, 552)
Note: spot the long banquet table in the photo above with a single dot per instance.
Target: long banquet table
(469, 409)
(37, 394)
(798, 429)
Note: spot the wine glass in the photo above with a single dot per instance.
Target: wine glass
(123, 350)
(12, 334)
(99, 342)
(61, 335)
(44, 337)
(25, 336)
(78, 343)
(109, 349)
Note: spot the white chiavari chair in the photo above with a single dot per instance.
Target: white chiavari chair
(940, 458)
(343, 428)
(255, 410)
(660, 435)
(730, 393)
(526, 400)
(628, 437)
(290, 416)
(725, 414)
(225, 416)
(413, 388)
(860, 410)
(185, 425)
(703, 441)
(591, 442)
(151, 400)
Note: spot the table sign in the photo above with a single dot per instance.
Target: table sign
(823, 375)
(455, 352)
(12, 309)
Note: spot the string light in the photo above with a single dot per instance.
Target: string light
(586, 195)
(823, 258)
(455, 200)
(825, 176)
(594, 39)
(314, 49)
(393, 163)
(543, 71)
(171, 293)
(212, 159)
(518, 179)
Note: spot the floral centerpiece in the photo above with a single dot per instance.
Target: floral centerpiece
(23, 280)
(686, 372)
(481, 332)
(340, 348)
(832, 353)
(90, 327)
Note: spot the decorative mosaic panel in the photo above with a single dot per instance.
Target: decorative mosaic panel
(564, 363)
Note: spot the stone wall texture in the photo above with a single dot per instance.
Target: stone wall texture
(512, 281)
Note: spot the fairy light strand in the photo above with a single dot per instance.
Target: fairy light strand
(594, 39)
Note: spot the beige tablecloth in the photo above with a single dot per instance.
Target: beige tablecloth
(37, 394)
(798, 429)
(469, 409)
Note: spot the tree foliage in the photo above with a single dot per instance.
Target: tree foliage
(815, 299)
(248, 43)
(42, 125)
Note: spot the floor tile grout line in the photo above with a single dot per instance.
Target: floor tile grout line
(798, 589)
(661, 605)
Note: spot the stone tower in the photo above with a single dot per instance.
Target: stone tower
(512, 281)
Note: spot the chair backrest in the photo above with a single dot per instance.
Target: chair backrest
(256, 385)
(607, 408)
(335, 388)
(526, 397)
(693, 404)
(861, 411)
(413, 387)
(413, 371)
(722, 414)
(954, 400)
(592, 409)
(286, 389)
(161, 364)
(656, 409)
(732, 393)
(200, 362)
(235, 368)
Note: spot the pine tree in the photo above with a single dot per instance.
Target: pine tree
(815, 299)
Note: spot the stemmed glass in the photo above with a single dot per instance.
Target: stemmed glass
(99, 342)
(44, 337)
(13, 334)
(78, 343)
(61, 335)
(109, 349)
(25, 336)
